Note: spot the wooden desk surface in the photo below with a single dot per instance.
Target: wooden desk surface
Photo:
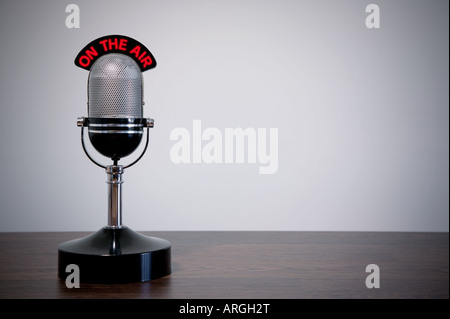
(234, 265)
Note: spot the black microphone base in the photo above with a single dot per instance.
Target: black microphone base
(115, 255)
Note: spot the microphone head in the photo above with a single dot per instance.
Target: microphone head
(115, 100)
(115, 87)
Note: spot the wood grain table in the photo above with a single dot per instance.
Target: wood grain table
(255, 265)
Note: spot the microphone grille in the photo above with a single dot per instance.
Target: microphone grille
(115, 87)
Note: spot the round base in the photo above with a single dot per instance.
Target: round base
(115, 255)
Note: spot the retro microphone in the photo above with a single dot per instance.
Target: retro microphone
(115, 102)
(115, 124)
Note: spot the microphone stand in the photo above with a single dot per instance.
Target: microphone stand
(114, 181)
(115, 253)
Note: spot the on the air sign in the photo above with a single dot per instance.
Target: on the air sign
(115, 44)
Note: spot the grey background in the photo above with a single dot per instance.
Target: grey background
(362, 114)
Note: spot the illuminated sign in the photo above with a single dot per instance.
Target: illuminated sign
(115, 44)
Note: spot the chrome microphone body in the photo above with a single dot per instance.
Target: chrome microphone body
(115, 98)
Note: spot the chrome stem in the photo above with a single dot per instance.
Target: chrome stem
(114, 181)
